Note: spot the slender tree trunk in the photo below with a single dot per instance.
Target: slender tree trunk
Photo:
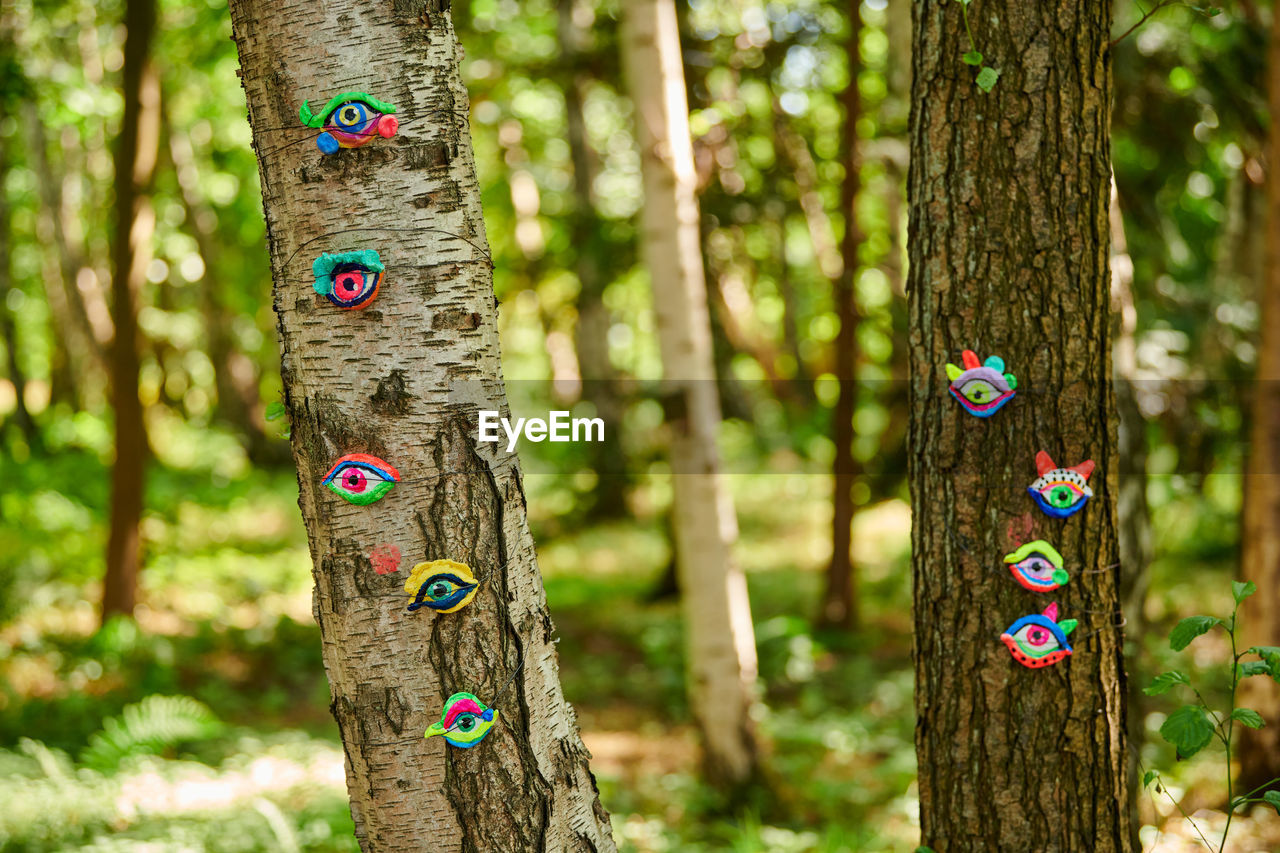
(26, 425)
(1008, 196)
(591, 337)
(403, 379)
(839, 601)
(1259, 751)
(135, 161)
(1134, 532)
(719, 637)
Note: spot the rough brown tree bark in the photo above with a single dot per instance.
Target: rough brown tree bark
(1259, 751)
(839, 600)
(403, 379)
(719, 636)
(135, 161)
(1008, 194)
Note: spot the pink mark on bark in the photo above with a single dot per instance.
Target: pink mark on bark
(385, 559)
(1019, 529)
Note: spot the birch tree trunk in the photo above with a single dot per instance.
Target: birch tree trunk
(403, 379)
(1259, 750)
(137, 147)
(719, 636)
(1008, 196)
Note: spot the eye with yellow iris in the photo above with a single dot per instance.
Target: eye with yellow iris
(981, 387)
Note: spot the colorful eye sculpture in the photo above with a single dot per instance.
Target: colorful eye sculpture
(442, 585)
(465, 721)
(981, 388)
(1039, 640)
(1037, 566)
(349, 279)
(361, 479)
(1061, 492)
(350, 120)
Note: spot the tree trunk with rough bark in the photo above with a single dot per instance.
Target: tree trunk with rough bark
(839, 601)
(403, 379)
(135, 161)
(1008, 196)
(1259, 750)
(719, 636)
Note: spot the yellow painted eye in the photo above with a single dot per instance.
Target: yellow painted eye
(979, 391)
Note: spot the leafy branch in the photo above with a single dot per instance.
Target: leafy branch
(1193, 726)
(987, 76)
(1207, 11)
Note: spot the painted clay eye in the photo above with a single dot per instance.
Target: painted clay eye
(351, 117)
(982, 388)
(361, 479)
(1039, 640)
(979, 392)
(465, 721)
(349, 280)
(350, 120)
(1061, 492)
(441, 585)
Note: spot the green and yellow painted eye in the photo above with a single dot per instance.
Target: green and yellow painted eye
(441, 585)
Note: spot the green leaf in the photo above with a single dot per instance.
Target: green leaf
(1164, 682)
(1190, 628)
(275, 411)
(987, 78)
(1253, 667)
(1147, 777)
(973, 57)
(1248, 717)
(1243, 589)
(1263, 651)
(1273, 797)
(1188, 729)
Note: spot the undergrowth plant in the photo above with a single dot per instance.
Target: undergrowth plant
(1195, 725)
(987, 76)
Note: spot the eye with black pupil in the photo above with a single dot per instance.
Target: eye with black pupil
(1061, 496)
(439, 589)
(466, 722)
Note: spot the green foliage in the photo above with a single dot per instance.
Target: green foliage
(148, 728)
(987, 76)
(1188, 729)
(1164, 682)
(1248, 717)
(1190, 628)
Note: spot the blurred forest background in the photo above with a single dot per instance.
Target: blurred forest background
(202, 724)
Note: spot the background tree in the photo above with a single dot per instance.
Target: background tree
(1260, 541)
(992, 735)
(720, 640)
(403, 380)
(135, 159)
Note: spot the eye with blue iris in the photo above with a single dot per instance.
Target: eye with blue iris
(350, 120)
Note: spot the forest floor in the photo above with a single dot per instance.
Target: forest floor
(226, 620)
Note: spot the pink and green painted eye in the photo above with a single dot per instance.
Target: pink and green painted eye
(981, 388)
(1039, 640)
(465, 721)
(1061, 492)
(361, 479)
(349, 280)
(350, 120)
(1037, 566)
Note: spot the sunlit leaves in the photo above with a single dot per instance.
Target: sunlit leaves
(1190, 628)
(1188, 729)
(1164, 682)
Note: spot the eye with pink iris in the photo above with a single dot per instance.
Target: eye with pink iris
(349, 280)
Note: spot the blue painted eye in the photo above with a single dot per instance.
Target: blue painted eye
(444, 592)
(352, 117)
